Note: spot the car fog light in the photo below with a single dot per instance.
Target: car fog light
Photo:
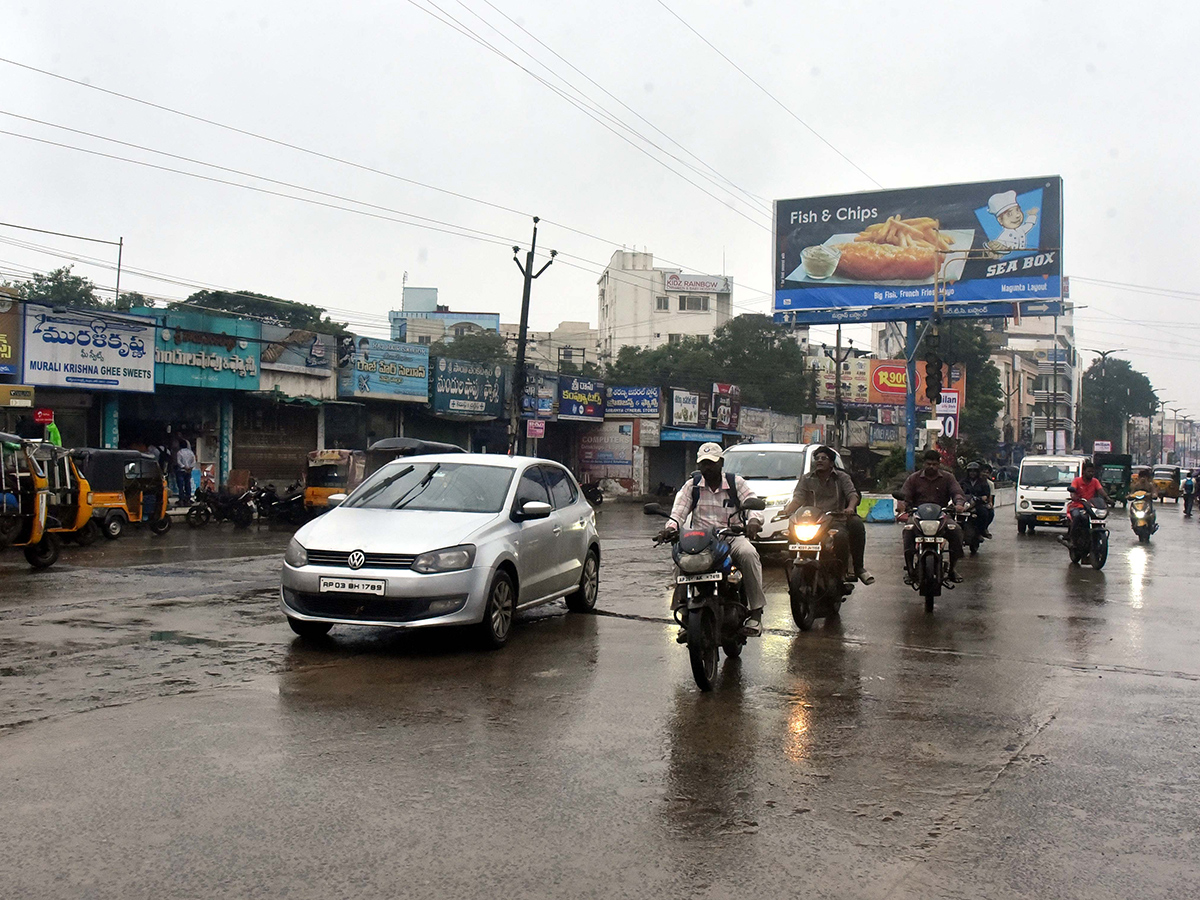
(437, 607)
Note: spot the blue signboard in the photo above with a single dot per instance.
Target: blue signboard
(195, 350)
(697, 435)
(462, 388)
(376, 369)
(580, 399)
(916, 313)
(984, 242)
(635, 402)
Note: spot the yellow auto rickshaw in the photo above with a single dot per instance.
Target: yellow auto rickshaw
(24, 503)
(1166, 482)
(331, 472)
(69, 511)
(128, 488)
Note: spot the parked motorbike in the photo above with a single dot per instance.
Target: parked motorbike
(1142, 516)
(592, 493)
(930, 570)
(968, 521)
(817, 571)
(713, 604)
(212, 506)
(1087, 533)
(271, 506)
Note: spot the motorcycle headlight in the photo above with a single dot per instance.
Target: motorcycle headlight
(295, 555)
(805, 532)
(693, 563)
(929, 527)
(450, 559)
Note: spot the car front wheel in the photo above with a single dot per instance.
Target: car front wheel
(584, 599)
(498, 612)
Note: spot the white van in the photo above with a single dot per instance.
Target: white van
(1042, 493)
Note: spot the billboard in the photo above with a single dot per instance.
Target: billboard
(606, 448)
(540, 395)
(383, 370)
(296, 350)
(889, 380)
(88, 349)
(462, 388)
(580, 399)
(633, 402)
(696, 284)
(10, 336)
(195, 350)
(726, 406)
(997, 241)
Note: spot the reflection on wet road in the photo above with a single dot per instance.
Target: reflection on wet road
(165, 734)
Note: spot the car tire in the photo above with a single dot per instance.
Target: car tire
(309, 630)
(114, 526)
(498, 612)
(584, 599)
(1021, 526)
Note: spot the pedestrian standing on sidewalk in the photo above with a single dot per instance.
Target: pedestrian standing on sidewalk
(1189, 492)
(185, 461)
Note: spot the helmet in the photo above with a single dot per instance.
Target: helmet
(973, 466)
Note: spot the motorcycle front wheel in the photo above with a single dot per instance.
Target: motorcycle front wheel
(931, 577)
(1099, 549)
(702, 647)
(802, 595)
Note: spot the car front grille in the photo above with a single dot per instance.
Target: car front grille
(364, 607)
(339, 558)
(1047, 506)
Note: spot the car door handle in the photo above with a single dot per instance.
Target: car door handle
(557, 530)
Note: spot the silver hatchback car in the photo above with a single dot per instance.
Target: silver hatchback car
(447, 539)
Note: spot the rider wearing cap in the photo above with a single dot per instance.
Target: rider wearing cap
(977, 486)
(831, 490)
(713, 508)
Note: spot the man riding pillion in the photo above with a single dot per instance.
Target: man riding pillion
(930, 484)
(976, 485)
(710, 498)
(831, 490)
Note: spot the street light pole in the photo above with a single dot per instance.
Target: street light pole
(1174, 431)
(1103, 354)
(837, 382)
(1162, 420)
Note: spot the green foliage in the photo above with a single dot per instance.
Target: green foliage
(484, 347)
(965, 343)
(272, 310)
(895, 464)
(62, 288)
(1113, 391)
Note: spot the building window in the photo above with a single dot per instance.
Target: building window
(674, 338)
(424, 339)
(689, 303)
(662, 304)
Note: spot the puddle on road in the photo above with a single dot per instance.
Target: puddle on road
(175, 637)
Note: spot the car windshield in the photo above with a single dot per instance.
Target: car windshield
(766, 465)
(1164, 474)
(1047, 474)
(326, 476)
(444, 487)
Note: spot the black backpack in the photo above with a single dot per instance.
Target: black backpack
(730, 480)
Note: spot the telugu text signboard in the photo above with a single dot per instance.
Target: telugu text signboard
(580, 399)
(989, 241)
(194, 350)
(633, 402)
(88, 350)
(10, 336)
(383, 370)
(462, 388)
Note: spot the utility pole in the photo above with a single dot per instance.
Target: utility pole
(838, 359)
(518, 436)
(1162, 421)
(1104, 355)
(1174, 433)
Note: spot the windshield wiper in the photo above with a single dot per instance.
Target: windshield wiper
(416, 489)
(375, 489)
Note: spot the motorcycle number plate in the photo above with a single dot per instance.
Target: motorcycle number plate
(806, 548)
(1048, 518)
(692, 579)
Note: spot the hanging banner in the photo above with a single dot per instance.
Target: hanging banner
(86, 349)
(635, 402)
(987, 241)
(463, 388)
(296, 350)
(685, 409)
(726, 406)
(10, 336)
(383, 370)
(580, 399)
(207, 351)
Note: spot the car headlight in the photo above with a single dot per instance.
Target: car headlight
(696, 562)
(295, 555)
(805, 533)
(929, 527)
(1025, 504)
(450, 559)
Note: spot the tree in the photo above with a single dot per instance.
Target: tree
(62, 288)
(272, 310)
(1113, 391)
(965, 343)
(483, 347)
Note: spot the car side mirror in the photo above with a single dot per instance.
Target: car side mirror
(535, 509)
(755, 504)
(335, 500)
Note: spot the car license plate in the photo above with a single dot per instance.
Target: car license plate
(1048, 518)
(692, 579)
(353, 586)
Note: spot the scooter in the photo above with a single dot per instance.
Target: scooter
(818, 580)
(1087, 533)
(1142, 516)
(711, 599)
(930, 570)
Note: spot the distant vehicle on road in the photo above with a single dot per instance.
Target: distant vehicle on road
(1042, 491)
(1166, 482)
(447, 539)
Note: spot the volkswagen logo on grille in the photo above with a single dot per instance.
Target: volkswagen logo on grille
(356, 559)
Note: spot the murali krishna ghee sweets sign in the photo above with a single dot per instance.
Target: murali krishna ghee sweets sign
(85, 350)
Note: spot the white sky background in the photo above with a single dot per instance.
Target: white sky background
(914, 95)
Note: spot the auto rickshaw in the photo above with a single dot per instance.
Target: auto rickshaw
(69, 512)
(1166, 482)
(24, 503)
(384, 451)
(1115, 471)
(128, 488)
(331, 472)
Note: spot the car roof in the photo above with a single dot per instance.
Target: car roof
(476, 459)
(1048, 459)
(781, 445)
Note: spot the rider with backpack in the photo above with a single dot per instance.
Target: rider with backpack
(711, 497)
(1189, 492)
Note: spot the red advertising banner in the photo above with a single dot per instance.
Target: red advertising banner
(889, 380)
(43, 416)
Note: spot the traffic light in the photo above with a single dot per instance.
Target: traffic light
(933, 379)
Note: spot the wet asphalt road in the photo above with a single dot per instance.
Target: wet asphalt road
(163, 734)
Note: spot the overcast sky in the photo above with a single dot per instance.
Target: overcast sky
(897, 95)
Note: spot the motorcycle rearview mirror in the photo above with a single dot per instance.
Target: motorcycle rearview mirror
(755, 504)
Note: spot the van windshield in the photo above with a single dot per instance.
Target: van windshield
(1048, 474)
(766, 465)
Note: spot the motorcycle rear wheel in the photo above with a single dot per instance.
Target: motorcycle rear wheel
(702, 647)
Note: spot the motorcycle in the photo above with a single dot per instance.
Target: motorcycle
(1087, 533)
(713, 597)
(968, 521)
(592, 493)
(817, 572)
(211, 506)
(1142, 517)
(930, 570)
(289, 508)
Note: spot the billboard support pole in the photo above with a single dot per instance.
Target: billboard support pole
(910, 397)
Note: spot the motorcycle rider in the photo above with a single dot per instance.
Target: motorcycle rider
(1144, 482)
(930, 484)
(1084, 487)
(976, 485)
(831, 490)
(710, 498)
